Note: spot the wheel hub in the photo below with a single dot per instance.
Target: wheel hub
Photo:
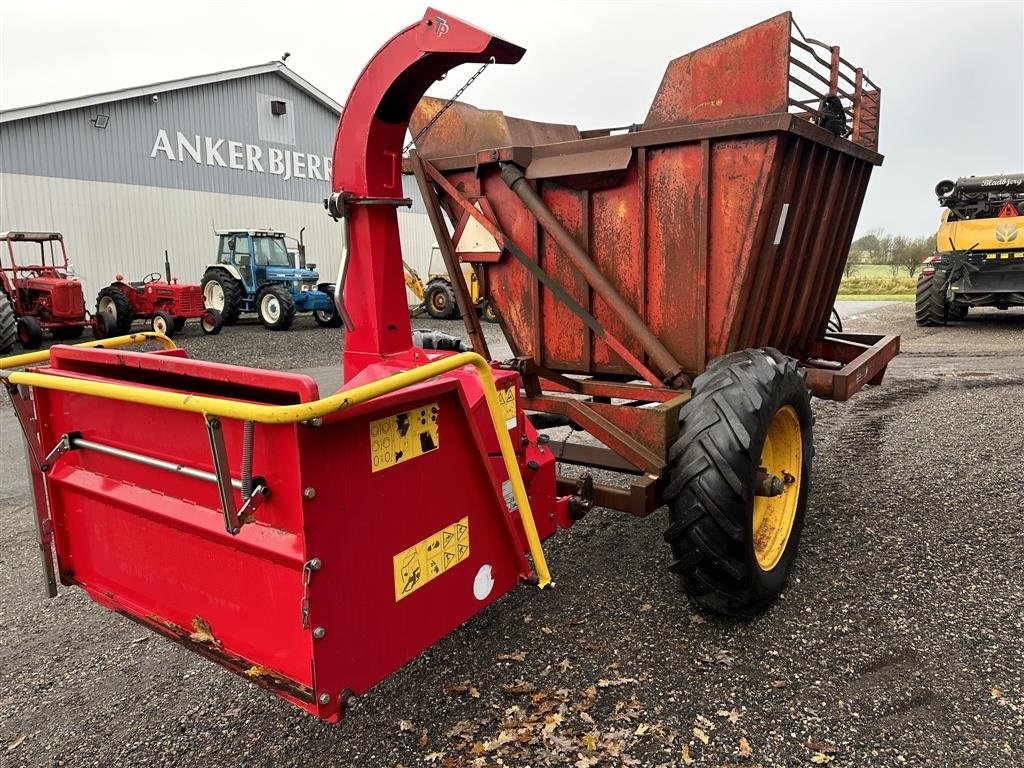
(774, 515)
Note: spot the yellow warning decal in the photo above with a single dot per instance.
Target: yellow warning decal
(431, 557)
(403, 436)
(507, 399)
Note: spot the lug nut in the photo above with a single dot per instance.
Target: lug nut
(319, 633)
(325, 698)
(309, 493)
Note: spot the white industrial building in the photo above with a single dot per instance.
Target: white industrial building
(128, 174)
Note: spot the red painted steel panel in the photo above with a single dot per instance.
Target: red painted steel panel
(713, 83)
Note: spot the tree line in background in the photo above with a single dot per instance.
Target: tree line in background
(901, 254)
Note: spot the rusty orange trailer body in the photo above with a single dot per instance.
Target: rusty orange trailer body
(723, 220)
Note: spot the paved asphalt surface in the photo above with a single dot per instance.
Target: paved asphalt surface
(899, 642)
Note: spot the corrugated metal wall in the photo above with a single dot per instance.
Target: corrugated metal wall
(124, 228)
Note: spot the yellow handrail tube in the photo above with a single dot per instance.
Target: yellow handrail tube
(291, 414)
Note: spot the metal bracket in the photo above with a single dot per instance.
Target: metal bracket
(247, 514)
(215, 431)
(66, 443)
(307, 576)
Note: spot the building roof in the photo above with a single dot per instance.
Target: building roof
(53, 107)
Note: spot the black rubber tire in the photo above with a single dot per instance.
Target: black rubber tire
(957, 311)
(284, 300)
(30, 332)
(439, 299)
(713, 465)
(103, 325)
(210, 322)
(121, 305)
(488, 312)
(68, 333)
(8, 325)
(327, 318)
(835, 322)
(233, 293)
(179, 323)
(930, 302)
(162, 322)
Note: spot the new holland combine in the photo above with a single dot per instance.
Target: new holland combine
(979, 249)
(666, 288)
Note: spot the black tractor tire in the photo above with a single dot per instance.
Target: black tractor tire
(327, 318)
(103, 325)
(265, 301)
(68, 332)
(8, 325)
(162, 322)
(439, 299)
(930, 306)
(179, 323)
(113, 301)
(488, 312)
(713, 468)
(835, 322)
(958, 311)
(232, 291)
(210, 322)
(30, 332)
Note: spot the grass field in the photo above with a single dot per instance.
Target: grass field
(876, 282)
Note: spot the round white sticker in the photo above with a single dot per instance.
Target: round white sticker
(483, 583)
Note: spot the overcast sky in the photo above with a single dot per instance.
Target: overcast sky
(952, 74)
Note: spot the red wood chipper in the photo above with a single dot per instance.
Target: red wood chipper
(665, 288)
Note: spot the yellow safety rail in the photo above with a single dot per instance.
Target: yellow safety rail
(292, 414)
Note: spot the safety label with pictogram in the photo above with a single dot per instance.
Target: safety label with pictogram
(428, 559)
(403, 436)
(507, 400)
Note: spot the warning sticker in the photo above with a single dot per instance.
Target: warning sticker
(510, 496)
(507, 399)
(403, 436)
(431, 557)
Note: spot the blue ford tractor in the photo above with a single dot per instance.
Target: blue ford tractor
(255, 272)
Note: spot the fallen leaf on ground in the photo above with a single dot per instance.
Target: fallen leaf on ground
(16, 743)
(724, 658)
(687, 760)
(563, 666)
(423, 740)
(641, 729)
(405, 725)
(699, 733)
(517, 656)
(527, 618)
(744, 748)
(701, 720)
(820, 758)
(997, 693)
(586, 762)
(780, 683)
(546, 630)
(616, 681)
(590, 741)
(646, 608)
(697, 619)
(519, 686)
(454, 689)
(733, 714)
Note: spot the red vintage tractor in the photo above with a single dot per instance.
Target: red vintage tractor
(165, 303)
(38, 295)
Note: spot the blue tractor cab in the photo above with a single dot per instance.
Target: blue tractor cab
(256, 272)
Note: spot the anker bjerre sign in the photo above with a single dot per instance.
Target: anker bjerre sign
(241, 157)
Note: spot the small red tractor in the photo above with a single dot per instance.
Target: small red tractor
(667, 290)
(165, 303)
(38, 295)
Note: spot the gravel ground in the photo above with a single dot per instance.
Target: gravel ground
(900, 640)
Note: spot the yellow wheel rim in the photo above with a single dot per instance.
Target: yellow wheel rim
(782, 456)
